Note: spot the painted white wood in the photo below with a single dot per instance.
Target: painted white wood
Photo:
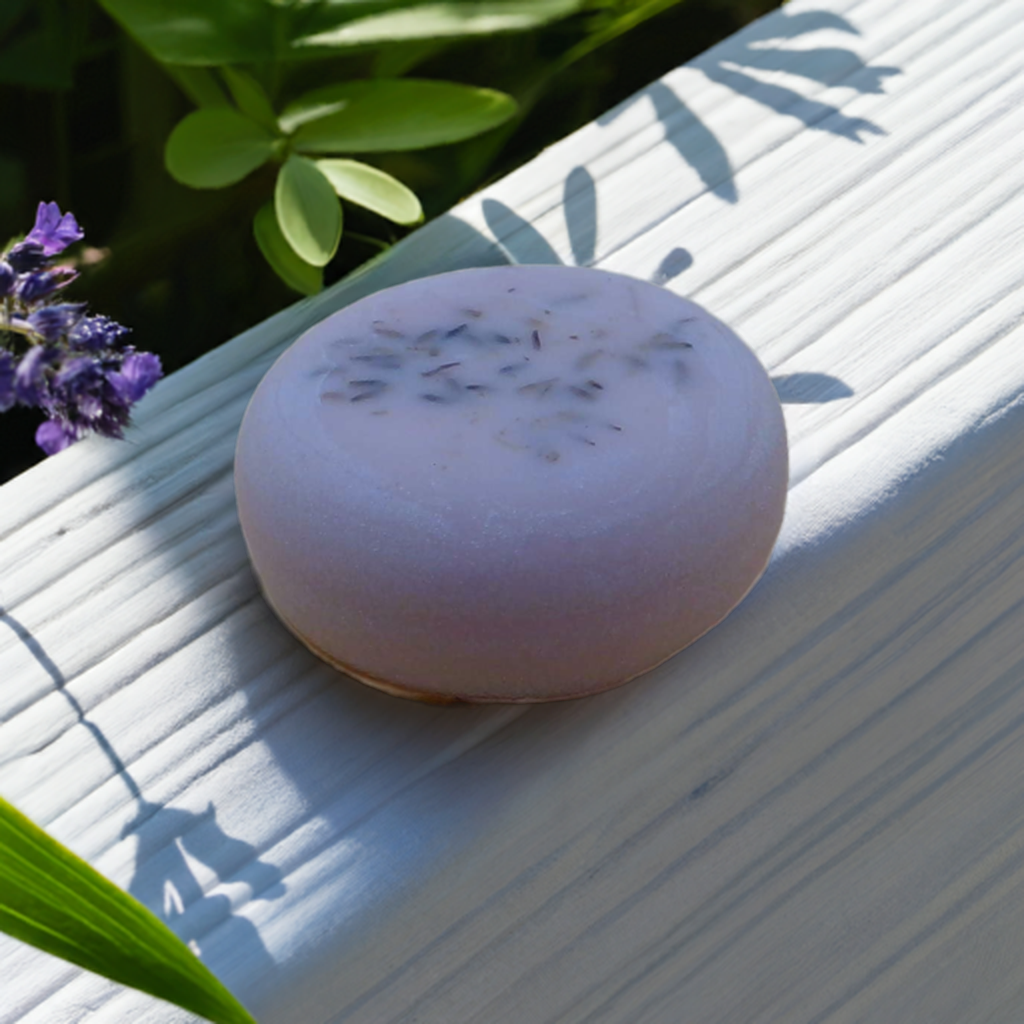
(813, 814)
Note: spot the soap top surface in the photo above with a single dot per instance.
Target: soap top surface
(543, 390)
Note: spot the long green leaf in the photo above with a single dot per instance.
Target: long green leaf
(250, 98)
(619, 26)
(392, 114)
(53, 900)
(397, 59)
(39, 60)
(199, 85)
(299, 275)
(206, 32)
(373, 189)
(214, 148)
(451, 20)
(308, 211)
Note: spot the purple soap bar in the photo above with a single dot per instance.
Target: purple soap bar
(512, 483)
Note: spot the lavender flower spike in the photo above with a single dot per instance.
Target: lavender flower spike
(52, 322)
(53, 436)
(52, 231)
(93, 333)
(76, 368)
(139, 372)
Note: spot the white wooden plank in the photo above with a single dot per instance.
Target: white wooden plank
(813, 814)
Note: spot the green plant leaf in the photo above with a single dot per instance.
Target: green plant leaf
(373, 189)
(397, 59)
(452, 19)
(299, 275)
(308, 211)
(199, 85)
(53, 900)
(248, 94)
(206, 32)
(40, 60)
(214, 148)
(391, 114)
(625, 22)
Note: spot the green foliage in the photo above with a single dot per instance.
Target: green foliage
(307, 211)
(214, 148)
(200, 31)
(261, 47)
(208, 33)
(53, 900)
(225, 140)
(372, 189)
(250, 98)
(38, 44)
(438, 21)
(384, 114)
(299, 275)
(219, 145)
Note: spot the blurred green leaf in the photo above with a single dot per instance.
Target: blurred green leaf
(206, 32)
(214, 148)
(308, 211)
(248, 94)
(40, 59)
(452, 19)
(299, 275)
(390, 114)
(53, 900)
(199, 85)
(373, 189)
(10, 12)
(397, 59)
(628, 19)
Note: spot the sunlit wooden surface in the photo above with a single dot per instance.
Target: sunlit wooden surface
(815, 814)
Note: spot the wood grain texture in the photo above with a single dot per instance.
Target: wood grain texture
(815, 814)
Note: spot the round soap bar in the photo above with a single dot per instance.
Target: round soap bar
(510, 483)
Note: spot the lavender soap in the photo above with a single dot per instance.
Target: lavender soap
(510, 484)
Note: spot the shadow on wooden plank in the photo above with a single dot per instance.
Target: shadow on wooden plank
(728, 64)
(172, 843)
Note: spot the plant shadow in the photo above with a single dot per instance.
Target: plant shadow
(737, 63)
(181, 855)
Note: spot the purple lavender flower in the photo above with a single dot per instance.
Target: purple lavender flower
(82, 393)
(53, 322)
(52, 231)
(7, 396)
(93, 333)
(54, 436)
(139, 372)
(76, 368)
(26, 257)
(30, 384)
(31, 288)
(7, 278)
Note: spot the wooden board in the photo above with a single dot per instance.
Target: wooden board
(813, 814)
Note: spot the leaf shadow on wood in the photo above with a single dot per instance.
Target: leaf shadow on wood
(579, 201)
(672, 265)
(33, 646)
(736, 64)
(517, 238)
(810, 388)
(171, 843)
(523, 243)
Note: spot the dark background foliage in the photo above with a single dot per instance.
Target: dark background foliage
(86, 114)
